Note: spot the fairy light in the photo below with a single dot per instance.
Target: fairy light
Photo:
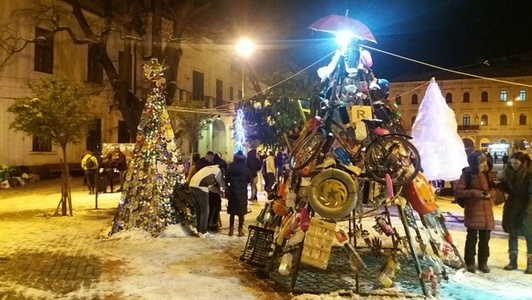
(240, 136)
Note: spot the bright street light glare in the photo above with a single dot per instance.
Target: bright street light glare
(510, 103)
(245, 47)
(343, 38)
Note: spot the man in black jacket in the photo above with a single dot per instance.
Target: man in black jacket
(254, 165)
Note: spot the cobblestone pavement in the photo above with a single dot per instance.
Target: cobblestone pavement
(53, 255)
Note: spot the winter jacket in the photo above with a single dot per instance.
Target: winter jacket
(238, 176)
(478, 211)
(253, 163)
(517, 212)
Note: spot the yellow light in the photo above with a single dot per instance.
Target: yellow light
(245, 47)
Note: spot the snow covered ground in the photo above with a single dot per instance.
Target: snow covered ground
(177, 266)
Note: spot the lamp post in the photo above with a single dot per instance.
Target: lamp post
(244, 48)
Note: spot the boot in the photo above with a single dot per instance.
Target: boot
(471, 268)
(231, 231)
(240, 231)
(512, 255)
(483, 267)
(528, 264)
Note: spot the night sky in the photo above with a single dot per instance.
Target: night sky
(447, 33)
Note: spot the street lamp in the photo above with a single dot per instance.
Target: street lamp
(244, 48)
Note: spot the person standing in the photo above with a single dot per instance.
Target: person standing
(238, 177)
(517, 211)
(270, 172)
(477, 187)
(204, 180)
(215, 199)
(121, 165)
(254, 165)
(89, 164)
(504, 160)
(108, 165)
(495, 157)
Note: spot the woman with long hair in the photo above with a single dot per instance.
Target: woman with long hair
(517, 213)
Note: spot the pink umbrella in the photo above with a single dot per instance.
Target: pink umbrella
(335, 23)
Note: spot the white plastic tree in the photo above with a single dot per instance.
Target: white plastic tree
(435, 135)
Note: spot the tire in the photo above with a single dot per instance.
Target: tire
(306, 151)
(333, 194)
(392, 155)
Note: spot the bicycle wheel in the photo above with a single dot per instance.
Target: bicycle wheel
(392, 155)
(306, 151)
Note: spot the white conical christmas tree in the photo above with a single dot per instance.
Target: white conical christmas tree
(436, 138)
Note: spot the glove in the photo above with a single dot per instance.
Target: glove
(486, 195)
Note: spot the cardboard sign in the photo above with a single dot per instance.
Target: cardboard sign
(359, 112)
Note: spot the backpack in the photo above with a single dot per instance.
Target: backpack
(461, 201)
(89, 163)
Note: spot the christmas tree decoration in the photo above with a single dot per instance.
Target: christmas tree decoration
(240, 136)
(156, 167)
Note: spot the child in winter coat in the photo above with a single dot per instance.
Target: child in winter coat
(477, 187)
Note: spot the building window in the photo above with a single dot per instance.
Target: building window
(94, 137)
(522, 95)
(197, 86)
(219, 92)
(503, 120)
(484, 97)
(231, 94)
(41, 145)
(449, 98)
(43, 59)
(414, 99)
(484, 120)
(466, 97)
(466, 120)
(413, 120)
(398, 100)
(503, 96)
(522, 119)
(94, 67)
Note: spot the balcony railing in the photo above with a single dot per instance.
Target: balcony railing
(468, 127)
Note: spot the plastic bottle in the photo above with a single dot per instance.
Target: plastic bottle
(286, 264)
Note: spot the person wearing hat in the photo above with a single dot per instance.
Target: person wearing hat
(238, 177)
(477, 187)
(517, 213)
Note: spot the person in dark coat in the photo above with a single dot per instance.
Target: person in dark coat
(109, 171)
(215, 199)
(238, 177)
(517, 212)
(477, 187)
(504, 160)
(254, 165)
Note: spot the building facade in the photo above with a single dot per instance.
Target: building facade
(492, 112)
(207, 73)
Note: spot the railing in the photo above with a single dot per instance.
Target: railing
(468, 127)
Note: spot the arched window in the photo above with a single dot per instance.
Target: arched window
(398, 100)
(503, 96)
(503, 120)
(413, 120)
(414, 99)
(522, 95)
(466, 97)
(484, 120)
(484, 97)
(522, 119)
(449, 98)
(466, 120)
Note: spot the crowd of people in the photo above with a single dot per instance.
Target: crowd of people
(210, 176)
(479, 190)
(92, 163)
